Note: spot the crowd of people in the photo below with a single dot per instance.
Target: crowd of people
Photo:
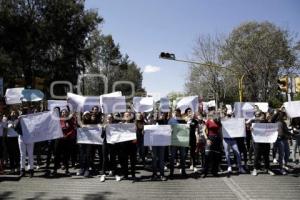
(207, 147)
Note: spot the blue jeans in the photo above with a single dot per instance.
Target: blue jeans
(283, 150)
(296, 145)
(158, 154)
(230, 143)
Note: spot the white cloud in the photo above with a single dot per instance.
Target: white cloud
(151, 69)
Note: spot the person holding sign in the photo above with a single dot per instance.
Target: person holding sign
(25, 147)
(191, 119)
(282, 140)
(128, 149)
(3, 132)
(140, 122)
(230, 141)
(63, 146)
(177, 119)
(109, 151)
(213, 136)
(12, 142)
(85, 150)
(261, 149)
(158, 153)
(296, 136)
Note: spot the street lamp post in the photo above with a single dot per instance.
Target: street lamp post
(171, 56)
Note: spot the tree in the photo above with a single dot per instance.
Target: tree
(108, 61)
(45, 38)
(254, 50)
(207, 80)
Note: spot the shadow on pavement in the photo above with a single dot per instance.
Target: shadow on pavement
(43, 195)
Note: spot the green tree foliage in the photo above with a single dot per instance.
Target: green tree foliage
(59, 40)
(259, 52)
(112, 66)
(45, 38)
(254, 49)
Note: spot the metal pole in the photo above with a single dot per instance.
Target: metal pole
(241, 87)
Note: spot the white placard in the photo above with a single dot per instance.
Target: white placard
(143, 104)
(39, 127)
(164, 104)
(89, 135)
(157, 135)
(75, 101)
(244, 110)
(121, 132)
(113, 94)
(292, 108)
(204, 106)
(90, 102)
(233, 127)
(229, 109)
(211, 103)
(13, 95)
(62, 104)
(264, 132)
(113, 104)
(263, 106)
(31, 95)
(188, 102)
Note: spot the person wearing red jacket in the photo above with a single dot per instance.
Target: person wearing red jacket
(63, 146)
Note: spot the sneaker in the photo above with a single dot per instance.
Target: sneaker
(47, 173)
(118, 178)
(275, 161)
(67, 173)
(86, 173)
(54, 173)
(242, 171)
(283, 172)
(163, 178)
(171, 176)
(195, 169)
(110, 173)
(153, 177)
(80, 173)
(102, 178)
(183, 173)
(31, 172)
(270, 172)
(229, 169)
(254, 172)
(22, 172)
(12, 171)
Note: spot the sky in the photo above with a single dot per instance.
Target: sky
(144, 28)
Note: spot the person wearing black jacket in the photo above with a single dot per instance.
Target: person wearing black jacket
(282, 140)
(261, 149)
(177, 119)
(25, 147)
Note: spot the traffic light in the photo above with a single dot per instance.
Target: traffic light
(283, 84)
(297, 84)
(166, 55)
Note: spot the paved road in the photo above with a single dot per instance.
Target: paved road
(243, 187)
